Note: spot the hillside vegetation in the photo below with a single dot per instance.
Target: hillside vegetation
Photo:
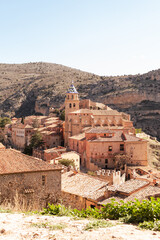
(22, 84)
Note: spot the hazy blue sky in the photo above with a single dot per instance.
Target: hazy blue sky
(107, 37)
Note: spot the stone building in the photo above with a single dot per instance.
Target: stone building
(50, 128)
(80, 190)
(99, 133)
(49, 154)
(140, 189)
(28, 180)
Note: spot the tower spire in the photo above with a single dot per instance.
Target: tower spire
(72, 89)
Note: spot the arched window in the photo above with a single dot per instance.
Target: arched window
(68, 96)
(72, 96)
(74, 104)
(70, 105)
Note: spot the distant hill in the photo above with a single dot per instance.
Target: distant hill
(22, 84)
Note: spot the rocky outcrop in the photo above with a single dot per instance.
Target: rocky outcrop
(25, 88)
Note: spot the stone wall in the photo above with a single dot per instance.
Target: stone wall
(33, 188)
(73, 201)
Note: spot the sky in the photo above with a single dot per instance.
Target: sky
(105, 37)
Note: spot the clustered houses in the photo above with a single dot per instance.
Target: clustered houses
(97, 138)
(54, 155)
(98, 133)
(20, 134)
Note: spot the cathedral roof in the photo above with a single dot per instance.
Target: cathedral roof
(72, 89)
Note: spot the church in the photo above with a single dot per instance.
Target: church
(99, 133)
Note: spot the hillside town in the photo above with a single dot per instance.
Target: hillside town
(85, 161)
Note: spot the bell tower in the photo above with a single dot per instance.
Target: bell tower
(71, 105)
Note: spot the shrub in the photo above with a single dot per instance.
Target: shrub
(97, 224)
(132, 212)
(67, 162)
(155, 226)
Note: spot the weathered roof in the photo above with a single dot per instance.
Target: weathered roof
(83, 185)
(55, 149)
(85, 110)
(80, 136)
(105, 112)
(2, 146)
(129, 186)
(72, 89)
(99, 130)
(132, 138)
(98, 112)
(28, 126)
(142, 194)
(13, 161)
(117, 136)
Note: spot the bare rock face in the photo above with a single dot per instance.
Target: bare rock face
(26, 87)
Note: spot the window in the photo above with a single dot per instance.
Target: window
(121, 147)
(74, 104)
(72, 96)
(92, 206)
(110, 148)
(106, 161)
(70, 105)
(43, 180)
(105, 135)
(68, 96)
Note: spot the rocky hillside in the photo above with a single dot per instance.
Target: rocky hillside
(23, 84)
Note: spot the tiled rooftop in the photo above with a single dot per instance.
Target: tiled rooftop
(55, 149)
(28, 126)
(118, 136)
(99, 130)
(105, 112)
(83, 185)
(98, 112)
(142, 194)
(12, 161)
(2, 146)
(129, 186)
(80, 136)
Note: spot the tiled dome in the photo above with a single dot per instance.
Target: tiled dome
(72, 89)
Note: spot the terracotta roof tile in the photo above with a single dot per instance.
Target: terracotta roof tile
(83, 185)
(144, 193)
(12, 161)
(129, 186)
(80, 136)
(98, 112)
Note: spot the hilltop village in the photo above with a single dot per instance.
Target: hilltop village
(107, 158)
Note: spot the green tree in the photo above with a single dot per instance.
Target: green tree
(36, 140)
(22, 120)
(62, 115)
(4, 121)
(67, 162)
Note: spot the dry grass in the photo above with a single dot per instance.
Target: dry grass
(21, 204)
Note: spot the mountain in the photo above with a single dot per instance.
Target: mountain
(21, 85)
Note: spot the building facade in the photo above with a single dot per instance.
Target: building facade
(99, 134)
